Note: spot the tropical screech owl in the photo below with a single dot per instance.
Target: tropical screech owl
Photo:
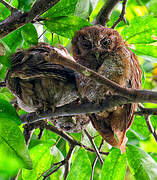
(103, 50)
(41, 85)
(37, 83)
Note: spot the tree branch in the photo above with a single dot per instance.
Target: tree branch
(75, 109)
(61, 163)
(150, 127)
(122, 15)
(70, 139)
(94, 146)
(18, 19)
(95, 160)
(133, 94)
(147, 111)
(104, 14)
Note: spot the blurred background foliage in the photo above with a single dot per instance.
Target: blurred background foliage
(58, 27)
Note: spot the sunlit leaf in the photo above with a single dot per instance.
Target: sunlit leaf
(13, 40)
(81, 167)
(4, 12)
(62, 8)
(141, 30)
(42, 159)
(151, 5)
(83, 9)
(25, 5)
(65, 26)
(114, 166)
(146, 51)
(12, 146)
(96, 10)
(141, 164)
(139, 127)
(8, 111)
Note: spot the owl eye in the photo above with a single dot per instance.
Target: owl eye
(86, 43)
(105, 42)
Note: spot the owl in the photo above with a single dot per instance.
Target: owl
(103, 50)
(40, 85)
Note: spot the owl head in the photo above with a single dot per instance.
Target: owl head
(92, 42)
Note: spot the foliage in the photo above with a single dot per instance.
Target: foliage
(63, 20)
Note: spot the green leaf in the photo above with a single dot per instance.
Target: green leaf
(13, 40)
(42, 159)
(141, 164)
(5, 60)
(146, 51)
(25, 5)
(8, 111)
(81, 167)
(141, 30)
(3, 70)
(62, 8)
(29, 35)
(65, 26)
(4, 12)
(152, 6)
(139, 128)
(12, 146)
(114, 167)
(83, 9)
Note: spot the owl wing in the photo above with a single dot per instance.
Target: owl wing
(125, 118)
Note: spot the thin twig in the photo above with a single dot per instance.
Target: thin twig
(42, 34)
(150, 127)
(64, 162)
(122, 15)
(147, 111)
(94, 146)
(8, 6)
(70, 139)
(95, 160)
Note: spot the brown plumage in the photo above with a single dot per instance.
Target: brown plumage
(103, 50)
(37, 83)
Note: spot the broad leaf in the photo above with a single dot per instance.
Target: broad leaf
(13, 40)
(141, 30)
(114, 167)
(29, 35)
(25, 5)
(83, 9)
(7, 110)
(42, 159)
(4, 12)
(62, 8)
(81, 167)
(65, 26)
(139, 128)
(146, 51)
(12, 146)
(5, 60)
(141, 164)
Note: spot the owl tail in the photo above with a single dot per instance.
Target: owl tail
(114, 127)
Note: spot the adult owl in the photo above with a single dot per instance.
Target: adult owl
(103, 50)
(38, 84)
